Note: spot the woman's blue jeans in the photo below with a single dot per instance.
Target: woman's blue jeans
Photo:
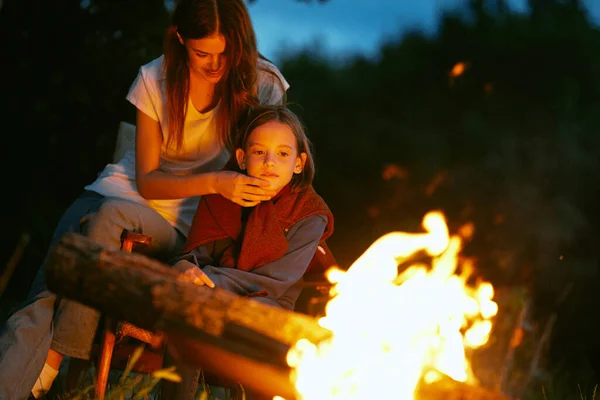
(45, 321)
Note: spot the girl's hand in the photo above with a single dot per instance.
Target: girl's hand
(191, 273)
(244, 190)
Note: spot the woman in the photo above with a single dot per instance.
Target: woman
(189, 101)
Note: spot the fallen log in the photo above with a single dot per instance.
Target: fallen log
(218, 330)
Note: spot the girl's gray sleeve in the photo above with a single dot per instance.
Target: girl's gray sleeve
(200, 255)
(278, 276)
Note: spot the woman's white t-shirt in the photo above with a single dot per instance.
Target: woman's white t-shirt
(202, 150)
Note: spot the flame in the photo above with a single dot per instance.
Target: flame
(391, 330)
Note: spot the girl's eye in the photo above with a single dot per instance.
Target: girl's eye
(284, 154)
(200, 55)
(258, 152)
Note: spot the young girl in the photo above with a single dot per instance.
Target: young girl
(261, 252)
(188, 102)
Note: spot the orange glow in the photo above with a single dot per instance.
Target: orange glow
(392, 330)
(391, 171)
(458, 69)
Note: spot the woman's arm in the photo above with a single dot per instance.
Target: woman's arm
(155, 184)
(278, 276)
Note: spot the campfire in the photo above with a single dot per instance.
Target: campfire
(393, 331)
(384, 333)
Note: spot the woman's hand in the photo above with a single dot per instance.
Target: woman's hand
(244, 190)
(191, 273)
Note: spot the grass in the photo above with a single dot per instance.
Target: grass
(560, 385)
(133, 386)
(129, 386)
(582, 395)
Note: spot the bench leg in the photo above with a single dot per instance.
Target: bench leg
(108, 344)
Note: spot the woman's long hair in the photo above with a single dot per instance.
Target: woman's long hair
(196, 19)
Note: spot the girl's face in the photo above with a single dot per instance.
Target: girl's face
(206, 56)
(271, 153)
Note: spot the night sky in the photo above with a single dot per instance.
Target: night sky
(339, 27)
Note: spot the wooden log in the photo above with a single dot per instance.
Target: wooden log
(201, 323)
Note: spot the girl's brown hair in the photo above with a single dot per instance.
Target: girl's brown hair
(196, 19)
(261, 115)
